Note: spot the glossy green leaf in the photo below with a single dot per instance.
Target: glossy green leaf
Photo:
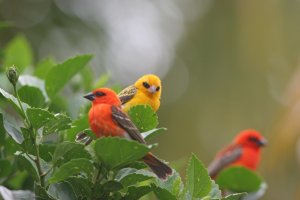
(162, 193)
(26, 162)
(51, 122)
(60, 74)
(215, 192)
(32, 96)
(72, 167)
(131, 176)
(135, 193)
(111, 186)
(39, 117)
(117, 152)
(11, 99)
(67, 150)
(81, 186)
(152, 133)
(143, 117)
(41, 193)
(14, 132)
(238, 179)
(198, 182)
(62, 190)
(18, 52)
(34, 82)
(173, 184)
(43, 67)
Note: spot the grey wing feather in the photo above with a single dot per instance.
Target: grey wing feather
(127, 94)
(219, 163)
(124, 121)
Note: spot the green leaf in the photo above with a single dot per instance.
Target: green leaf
(32, 96)
(143, 117)
(162, 193)
(18, 52)
(134, 193)
(152, 133)
(198, 182)
(11, 99)
(117, 152)
(39, 117)
(47, 151)
(73, 167)
(34, 82)
(44, 67)
(81, 186)
(62, 190)
(6, 168)
(131, 176)
(25, 162)
(14, 132)
(41, 193)
(51, 122)
(67, 150)
(238, 179)
(76, 127)
(27, 144)
(60, 74)
(173, 184)
(111, 186)
(61, 122)
(238, 196)
(215, 192)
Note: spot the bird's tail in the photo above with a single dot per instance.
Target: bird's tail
(161, 169)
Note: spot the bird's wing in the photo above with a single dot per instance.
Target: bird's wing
(223, 159)
(126, 94)
(124, 121)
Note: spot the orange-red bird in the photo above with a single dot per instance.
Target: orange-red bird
(106, 118)
(243, 151)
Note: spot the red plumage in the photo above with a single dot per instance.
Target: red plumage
(107, 119)
(243, 151)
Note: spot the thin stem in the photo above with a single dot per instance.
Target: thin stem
(97, 179)
(33, 140)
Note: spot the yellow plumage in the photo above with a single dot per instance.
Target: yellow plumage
(145, 91)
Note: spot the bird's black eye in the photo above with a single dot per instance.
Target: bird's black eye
(253, 139)
(99, 94)
(158, 88)
(146, 85)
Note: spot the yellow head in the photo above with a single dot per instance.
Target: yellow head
(150, 85)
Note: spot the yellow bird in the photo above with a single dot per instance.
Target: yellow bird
(145, 91)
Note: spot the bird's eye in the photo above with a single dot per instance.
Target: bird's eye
(146, 85)
(158, 88)
(99, 94)
(253, 139)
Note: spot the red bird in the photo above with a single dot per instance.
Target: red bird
(243, 151)
(106, 118)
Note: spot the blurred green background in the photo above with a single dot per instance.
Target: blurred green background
(225, 66)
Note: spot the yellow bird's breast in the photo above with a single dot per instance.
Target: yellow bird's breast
(142, 99)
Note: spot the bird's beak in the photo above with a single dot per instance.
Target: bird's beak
(152, 89)
(89, 96)
(263, 142)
